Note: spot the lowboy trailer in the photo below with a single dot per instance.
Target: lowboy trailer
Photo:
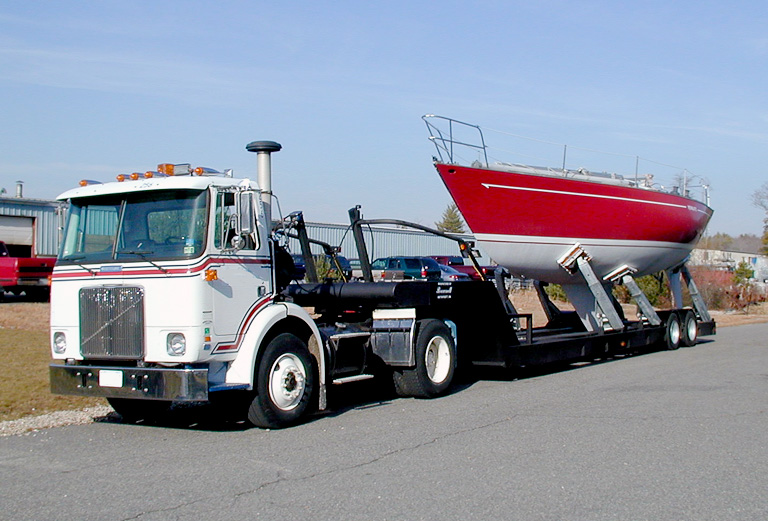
(173, 286)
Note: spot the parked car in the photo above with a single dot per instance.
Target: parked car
(456, 262)
(300, 269)
(418, 268)
(449, 273)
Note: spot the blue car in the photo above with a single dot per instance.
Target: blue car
(416, 268)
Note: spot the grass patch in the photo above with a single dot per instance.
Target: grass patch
(24, 384)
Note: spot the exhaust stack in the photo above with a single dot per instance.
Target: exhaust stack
(264, 150)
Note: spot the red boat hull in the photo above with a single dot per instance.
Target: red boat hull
(527, 221)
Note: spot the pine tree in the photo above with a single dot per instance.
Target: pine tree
(451, 221)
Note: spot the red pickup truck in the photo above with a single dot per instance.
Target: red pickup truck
(29, 275)
(457, 263)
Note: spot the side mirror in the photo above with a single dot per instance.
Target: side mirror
(245, 213)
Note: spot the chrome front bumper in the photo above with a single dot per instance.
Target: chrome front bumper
(182, 385)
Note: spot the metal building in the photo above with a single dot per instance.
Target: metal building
(30, 226)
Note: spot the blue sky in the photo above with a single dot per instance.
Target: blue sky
(94, 89)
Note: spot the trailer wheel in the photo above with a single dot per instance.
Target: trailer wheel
(285, 380)
(133, 410)
(690, 329)
(435, 362)
(673, 332)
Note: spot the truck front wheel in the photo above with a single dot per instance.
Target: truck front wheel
(435, 362)
(285, 381)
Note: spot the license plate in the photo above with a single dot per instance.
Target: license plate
(110, 378)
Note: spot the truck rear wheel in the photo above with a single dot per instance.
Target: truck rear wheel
(435, 362)
(673, 332)
(690, 329)
(134, 410)
(285, 382)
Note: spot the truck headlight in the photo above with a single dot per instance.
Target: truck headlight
(59, 342)
(176, 344)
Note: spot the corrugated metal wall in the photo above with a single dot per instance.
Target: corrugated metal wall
(47, 221)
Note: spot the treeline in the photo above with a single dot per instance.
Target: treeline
(745, 243)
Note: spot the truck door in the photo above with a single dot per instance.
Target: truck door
(242, 263)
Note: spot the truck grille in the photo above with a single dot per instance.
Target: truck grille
(112, 322)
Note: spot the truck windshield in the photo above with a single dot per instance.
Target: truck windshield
(135, 227)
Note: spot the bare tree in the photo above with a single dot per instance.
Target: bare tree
(760, 199)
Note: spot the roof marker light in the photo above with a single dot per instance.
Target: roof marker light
(171, 169)
(121, 178)
(150, 174)
(86, 182)
(165, 168)
(204, 170)
(135, 176)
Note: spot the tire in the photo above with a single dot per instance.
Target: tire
(285, 384)
(38, 294)
(435, 353)
(690, 327)
(673, 332)
(133, 410)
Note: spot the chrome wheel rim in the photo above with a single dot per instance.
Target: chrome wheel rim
(287, 381)
(438, 359)
(674, 332)
(692, 329)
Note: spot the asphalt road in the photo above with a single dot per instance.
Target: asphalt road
(679, 435)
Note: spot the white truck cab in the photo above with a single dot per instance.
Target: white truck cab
(165, 290)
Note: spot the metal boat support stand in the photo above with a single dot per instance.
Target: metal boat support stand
(593, 303)
(624, 275)
(699, 305)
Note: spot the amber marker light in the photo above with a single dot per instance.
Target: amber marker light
(165, 168)
(211, 275)
(121, 178)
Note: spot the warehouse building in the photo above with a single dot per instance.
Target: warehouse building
(30, 227)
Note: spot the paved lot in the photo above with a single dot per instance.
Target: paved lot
(677, 435)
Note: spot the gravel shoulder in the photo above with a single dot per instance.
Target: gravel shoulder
(32, 424)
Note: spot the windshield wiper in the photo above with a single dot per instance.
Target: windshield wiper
(143, 254)
(74, 258)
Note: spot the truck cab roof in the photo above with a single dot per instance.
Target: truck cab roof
(156, 183)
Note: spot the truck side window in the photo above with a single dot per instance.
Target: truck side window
(226, 214)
